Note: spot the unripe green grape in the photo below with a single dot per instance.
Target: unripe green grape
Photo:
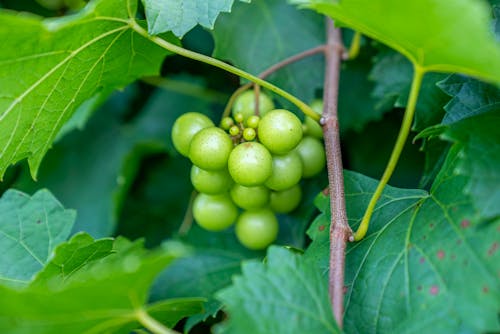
(234, 130)
(239, 117)
(210, 149)
(210, 182)
(214, 212)
(313, 128)
(287, 171)
(257, 229)
(245, 104)
(312, 153)
(280, 131)
(226, 123)
(184, 129)
(250, 164)
(253, 121)
(249, 197)
(249, 134)
(287, 200)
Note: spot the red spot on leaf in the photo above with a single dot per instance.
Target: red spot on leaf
(486, 289)
(419, 288)
(454, 209)
(459, 241)
(422, 260)
(493, 249)
(434, 290)
(431, 226)
(453, 256)
(321, 228)
(465, 223)
(424, 237)
(345, 289)
(440, 254)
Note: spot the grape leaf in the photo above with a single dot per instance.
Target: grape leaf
(50, 67)
(425, 31)
(30, 229)
(478, 140)
(426, 256)
(71, 256)
(103, 296)
(286, 294)
(469, 97)
(198, 275)
(180, 16)
(258, 35)
(392, 74)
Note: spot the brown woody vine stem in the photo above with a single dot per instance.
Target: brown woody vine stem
(340, 232)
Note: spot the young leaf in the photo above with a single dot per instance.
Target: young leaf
(30, 229)
(423, 253)
(469, 97)
(103, 296)
(286, 294)
(180, 16)
(263, 33)
(50, 67)
(435, 35)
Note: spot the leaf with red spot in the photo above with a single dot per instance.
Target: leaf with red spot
(428, 263)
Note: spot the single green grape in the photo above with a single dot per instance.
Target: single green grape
(226, 123)
(257, 229)
(287, 200)
(210, 182)
(313, 128)
(250, 164)
(249, 197)
(249, 134)
(245, 104)
(214, 212)
(312, 153)
(239, 117)
(287, 171)
(210, 149)
(234, 130)
(184, 129)
(253, 121)
(280, 131)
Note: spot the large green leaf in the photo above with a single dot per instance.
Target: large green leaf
(286, 294)
(427, 262)
(50, 67)
(437, 35)
(180, 16)
(30, 229)
(258, 35)
(102, 296)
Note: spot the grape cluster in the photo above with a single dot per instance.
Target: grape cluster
(249, 168)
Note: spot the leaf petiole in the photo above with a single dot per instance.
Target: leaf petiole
(220, 64)
(418, 75)
(151, 323)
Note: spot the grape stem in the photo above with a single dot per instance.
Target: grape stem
(222, 65)
(418, 74)
(340, 232)
(271, 70)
